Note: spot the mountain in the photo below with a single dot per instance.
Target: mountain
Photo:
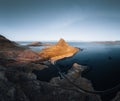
(58, 51)
(7, 44)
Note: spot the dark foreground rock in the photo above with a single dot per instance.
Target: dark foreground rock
(22, 85)
(117, 98)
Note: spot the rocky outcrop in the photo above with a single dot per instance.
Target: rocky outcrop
(19, 84)
(117, 98)
(58, 51)
(74, 74)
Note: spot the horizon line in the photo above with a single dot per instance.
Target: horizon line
(65, 40)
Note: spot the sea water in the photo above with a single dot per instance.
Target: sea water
(102, 59)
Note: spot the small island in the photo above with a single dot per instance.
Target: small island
(34, 44)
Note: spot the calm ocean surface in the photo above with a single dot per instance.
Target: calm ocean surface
(103, 60)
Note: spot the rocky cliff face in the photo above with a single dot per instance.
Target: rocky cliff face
(58, 51)
(19, 84)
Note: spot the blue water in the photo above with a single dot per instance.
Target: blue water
(103, 60)
(36, 48)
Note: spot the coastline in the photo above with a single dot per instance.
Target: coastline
(20, 73)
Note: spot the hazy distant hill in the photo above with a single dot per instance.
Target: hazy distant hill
(107, 42)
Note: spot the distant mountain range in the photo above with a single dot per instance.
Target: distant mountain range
(107, 42)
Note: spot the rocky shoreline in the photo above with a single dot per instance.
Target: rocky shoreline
(19, 82)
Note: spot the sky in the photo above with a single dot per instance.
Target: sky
(73, 20)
